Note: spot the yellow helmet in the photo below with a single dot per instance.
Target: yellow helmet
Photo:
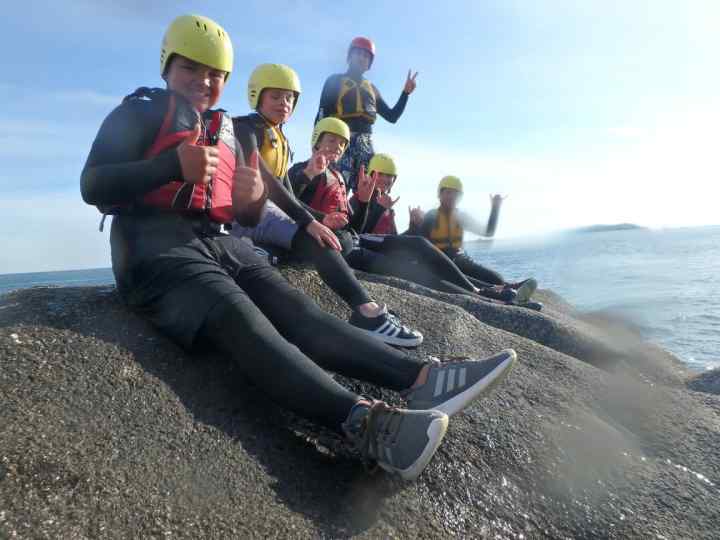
(272, 76)
(451, 182)
(382, 163)
(330, 125)
(200, 39)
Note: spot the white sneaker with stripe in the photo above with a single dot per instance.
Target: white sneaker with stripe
(387, 328)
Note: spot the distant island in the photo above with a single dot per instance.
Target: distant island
(605, 228)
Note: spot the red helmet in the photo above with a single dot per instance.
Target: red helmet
(364, 44)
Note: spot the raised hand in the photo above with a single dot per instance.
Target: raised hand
(416, 215)
(497, 199)
(323, 236)
(248, 186)
(316, 165)
(410, 83)
(198, 163)
(335, 220)
(366, 185)
(386, 201)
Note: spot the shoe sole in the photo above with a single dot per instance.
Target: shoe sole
(436, 433)
(393, 340)
(525, 291)
(481, 388)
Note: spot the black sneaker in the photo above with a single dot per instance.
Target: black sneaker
(387, 328)
(400, 441)
(453, 385)
(499, 292)
(524, 290)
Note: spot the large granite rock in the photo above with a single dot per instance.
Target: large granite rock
(109, 430)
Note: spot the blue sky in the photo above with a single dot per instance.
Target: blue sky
(582, 112)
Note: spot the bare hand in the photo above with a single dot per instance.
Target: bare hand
(410, 83)
(417, 216)
(366, 185)
(198, 163)
(323, 236)
(386, 201)
(316, 165)
(497, 199)
(335, 220)
(248, 186)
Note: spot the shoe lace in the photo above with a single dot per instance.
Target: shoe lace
(393, 318)
(377, 425)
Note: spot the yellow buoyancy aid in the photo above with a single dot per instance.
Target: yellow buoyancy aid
(356, 100)
(275, 150)
(446, 233)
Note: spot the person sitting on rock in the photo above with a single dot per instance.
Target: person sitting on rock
(168, 167)
(273, 92)
(355, 100)
(445, 227)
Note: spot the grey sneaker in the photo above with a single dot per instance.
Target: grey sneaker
(451, 386)
(400, 441)
(525, 290)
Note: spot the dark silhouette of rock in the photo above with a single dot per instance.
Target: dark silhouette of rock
(109, 430)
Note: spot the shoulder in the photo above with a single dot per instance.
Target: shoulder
(297, 168)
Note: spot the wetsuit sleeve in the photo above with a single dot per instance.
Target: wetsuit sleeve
(246, 137)
(328, 98)
(391, 115)
(284, 199)
(374, 213)
(115, 171)
(473, 225)
(357, 219)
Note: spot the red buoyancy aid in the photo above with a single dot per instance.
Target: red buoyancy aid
(330, 198)
(215, 198)
(386, 223)
(179, 120)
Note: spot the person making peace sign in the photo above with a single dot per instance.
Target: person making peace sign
(357, 101)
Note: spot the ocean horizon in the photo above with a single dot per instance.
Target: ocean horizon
(664, 281)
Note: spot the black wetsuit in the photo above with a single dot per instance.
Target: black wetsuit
(330, 264)
(192, 281)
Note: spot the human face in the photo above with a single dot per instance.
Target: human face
(332, 146)
(277, 105)
(359, 60)
(385, 182)
(200, 84)
(449, 198)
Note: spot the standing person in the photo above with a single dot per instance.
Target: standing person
(355, 100)
(167, 165)
(445, 227)
(273, 93)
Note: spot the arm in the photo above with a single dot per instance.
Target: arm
(357, 219)
(391, 115)
(471, 224)
(328, 98)
(115, 171)
(374, 213)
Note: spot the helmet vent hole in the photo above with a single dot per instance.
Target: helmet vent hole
(205, 27)
(197, 23)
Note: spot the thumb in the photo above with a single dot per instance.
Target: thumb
(254, 160)
(194, 135)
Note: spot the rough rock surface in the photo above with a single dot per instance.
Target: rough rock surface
(109, 430)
